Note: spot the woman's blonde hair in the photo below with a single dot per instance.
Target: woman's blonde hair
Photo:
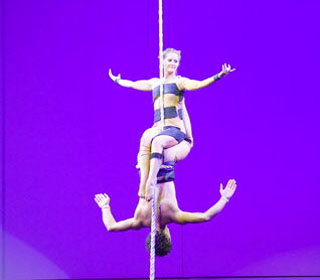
(171, 50)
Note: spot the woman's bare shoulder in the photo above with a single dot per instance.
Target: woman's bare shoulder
(154, 82)
(181, 82)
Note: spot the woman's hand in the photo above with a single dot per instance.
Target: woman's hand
(226, 69)
(114, 78)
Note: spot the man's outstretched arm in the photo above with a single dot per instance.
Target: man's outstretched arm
(103, 201)
(182, 217)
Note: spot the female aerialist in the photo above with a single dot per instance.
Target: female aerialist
(168, 210)
(175, 115)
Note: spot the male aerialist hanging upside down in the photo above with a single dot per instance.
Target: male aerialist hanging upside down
(177, 125)
(168, 209)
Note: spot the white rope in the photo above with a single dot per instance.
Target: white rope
(155, 199)
(161, 64)
(153, 234)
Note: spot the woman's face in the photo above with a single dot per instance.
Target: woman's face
(171, 62)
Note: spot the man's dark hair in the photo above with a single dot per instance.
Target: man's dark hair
(163, 244)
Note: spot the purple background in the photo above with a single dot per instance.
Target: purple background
(70, 132)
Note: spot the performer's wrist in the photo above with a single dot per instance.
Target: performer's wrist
(189, 139)
(217, 77)
(222, 74)
(105, 206)
(191, 143)
(224, 198)
(117, 80)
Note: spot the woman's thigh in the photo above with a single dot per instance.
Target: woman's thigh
(163, 141)
(148, 135)
(177, 152)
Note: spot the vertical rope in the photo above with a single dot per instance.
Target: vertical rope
(155, 194)
(155, 199)
(153, 233)
(161, 63)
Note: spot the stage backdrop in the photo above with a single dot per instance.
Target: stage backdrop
(69, 132)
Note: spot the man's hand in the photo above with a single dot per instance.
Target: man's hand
(229, 190)
(102, 199)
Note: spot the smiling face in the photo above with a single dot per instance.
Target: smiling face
(171, 62)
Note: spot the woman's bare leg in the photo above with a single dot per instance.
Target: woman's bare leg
(177, 153)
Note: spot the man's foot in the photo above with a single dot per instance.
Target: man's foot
(142, 191)
(149, 190)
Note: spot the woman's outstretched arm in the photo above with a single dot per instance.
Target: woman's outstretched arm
(144, 85)
(188, 84)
